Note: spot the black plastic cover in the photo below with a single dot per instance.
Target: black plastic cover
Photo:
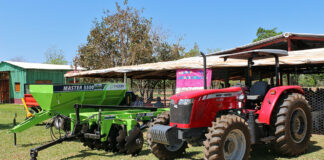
(180, 113)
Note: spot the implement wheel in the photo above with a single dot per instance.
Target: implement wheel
(122, 133)
(228, 138)
(111, 143)
(134, 141)
(293, 125)
(162, 151)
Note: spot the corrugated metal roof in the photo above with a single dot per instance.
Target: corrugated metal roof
(267, 40)
(310, 56)
(27, 65)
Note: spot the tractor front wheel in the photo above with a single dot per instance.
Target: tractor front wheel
(293, 125)
(228, 138)
(163, 151)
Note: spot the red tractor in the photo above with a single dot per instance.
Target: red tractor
(228, 121)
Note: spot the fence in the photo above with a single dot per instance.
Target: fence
(315, 97)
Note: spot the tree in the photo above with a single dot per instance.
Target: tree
(55, 55)
(124, 38)
(213, 50)
(266, 33)
(121, 38)
(193, 52)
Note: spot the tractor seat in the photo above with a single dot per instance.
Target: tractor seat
(257, 91)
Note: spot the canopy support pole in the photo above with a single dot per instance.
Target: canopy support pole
(164, 92)
(125, 78)
(131, 83)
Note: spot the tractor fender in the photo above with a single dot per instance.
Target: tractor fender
(270, 101)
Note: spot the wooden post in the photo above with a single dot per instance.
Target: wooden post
(164, 93)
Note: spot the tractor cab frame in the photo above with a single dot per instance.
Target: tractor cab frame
(255, 55)
(259, 89)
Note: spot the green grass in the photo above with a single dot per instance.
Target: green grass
(74, 150)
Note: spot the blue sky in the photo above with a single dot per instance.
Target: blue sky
(28, 28)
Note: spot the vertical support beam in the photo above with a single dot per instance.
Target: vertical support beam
(296, 76)
(125, 78)
(226, 81)
(164, 93)
(277, 71)
(289, 43)
(64, 80)
(131, 84)
(281, 79)
(205, 76)
(249, 70)
(288, 79)
(75, 70)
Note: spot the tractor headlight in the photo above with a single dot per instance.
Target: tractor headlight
(241, 98)
(185, 101)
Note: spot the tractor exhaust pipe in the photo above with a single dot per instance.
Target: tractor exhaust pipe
(205, 79)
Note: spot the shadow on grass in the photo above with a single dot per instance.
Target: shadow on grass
(5, 126)
(189, 155)
(32, 144)
(145, 152)
(313, 147)
(85, 153)
(264, 152)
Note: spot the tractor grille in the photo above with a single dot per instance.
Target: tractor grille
(180, 114)
(315, 98)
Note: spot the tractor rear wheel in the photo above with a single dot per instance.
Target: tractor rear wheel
(162, 151)
(293, 125)
(228, 138)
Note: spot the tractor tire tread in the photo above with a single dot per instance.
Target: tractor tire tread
(283, 143)
(217, 134)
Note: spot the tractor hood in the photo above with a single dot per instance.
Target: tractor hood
(198, 93)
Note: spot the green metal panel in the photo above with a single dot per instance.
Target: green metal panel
(56, 76)
(17, 75)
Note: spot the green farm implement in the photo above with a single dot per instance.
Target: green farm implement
(116, 129)
(59, 100)
(98, 115)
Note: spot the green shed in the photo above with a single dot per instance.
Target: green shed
(15, 77)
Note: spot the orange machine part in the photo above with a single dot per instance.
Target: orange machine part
(30, 100)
